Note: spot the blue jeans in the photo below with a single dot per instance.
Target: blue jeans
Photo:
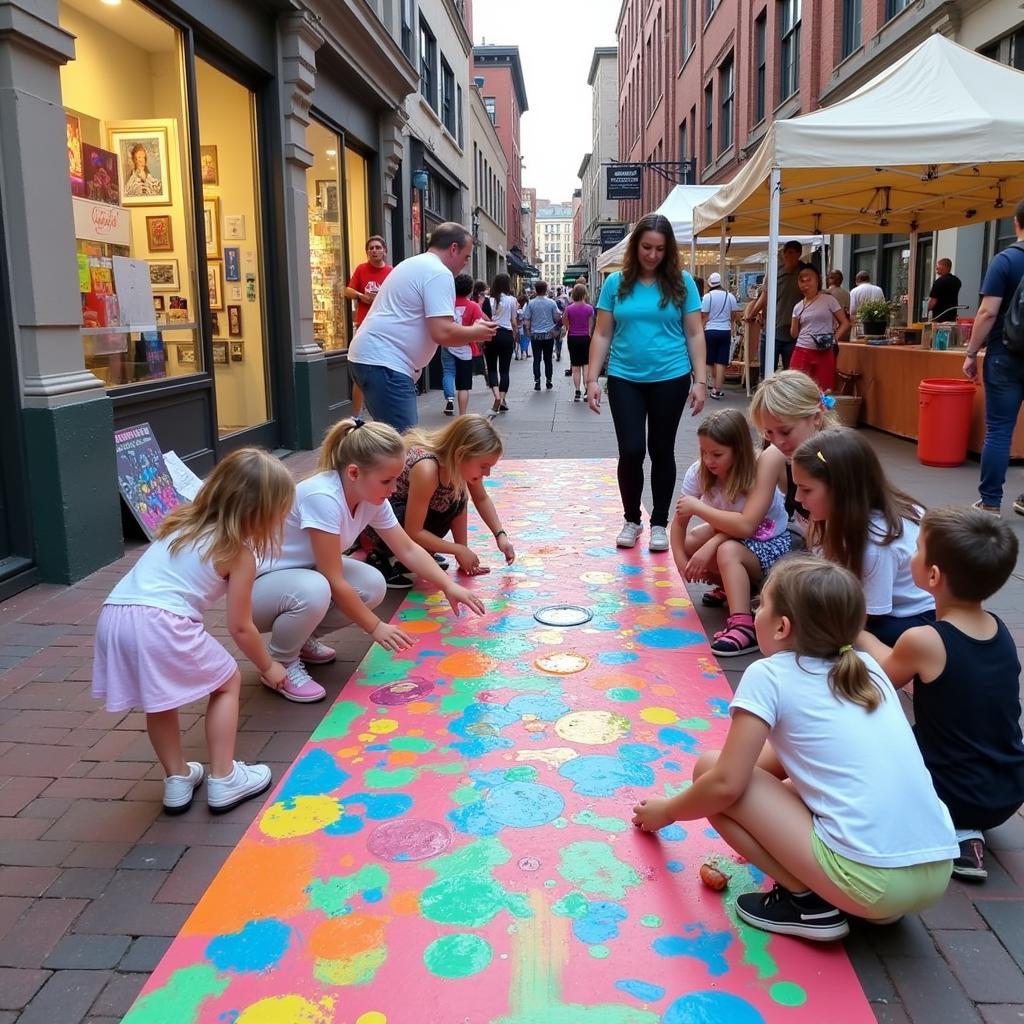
(448, 374)
(784, 345)
(389, 396)
(1004, 394)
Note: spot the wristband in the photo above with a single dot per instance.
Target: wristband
(499, 533)
(971, 355)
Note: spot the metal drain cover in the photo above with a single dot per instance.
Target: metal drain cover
(563, 615)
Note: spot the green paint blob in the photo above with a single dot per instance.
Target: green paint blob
(788, 993)
(573, 904)
(452, 768)
(332, 895)
(465, 795)
(417, 744)
(650, 921)
(604, 824)
(599, 952)
(470, 901)
(413, 614)
(593, 868)
(549, 883)
(560, 823)
(478, 857)
(381, 668)
(524, 773)
(694, 724)
(382, 778)
(457, 956)
(623, 693)
(454, 703)
(180, 997)
(360, 970)
(337, 721)
(754, 941)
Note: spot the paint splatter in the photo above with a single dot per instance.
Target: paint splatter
(257, 947)
(599, 923)
(408, 839)
(697, 942)
(593, 868)
(787, 993)
(290, 1009)
(642, 990)
(603, 775)
(712, 1008)
(457, 956)
(593, 728)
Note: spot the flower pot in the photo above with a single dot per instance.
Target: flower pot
(874, 328)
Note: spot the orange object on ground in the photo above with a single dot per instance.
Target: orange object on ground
(944, 420)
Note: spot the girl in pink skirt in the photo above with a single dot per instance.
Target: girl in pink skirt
(151, 648)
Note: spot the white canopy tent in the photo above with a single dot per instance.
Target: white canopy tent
(934, 141)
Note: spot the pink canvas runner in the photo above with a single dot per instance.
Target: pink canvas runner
(453, 844)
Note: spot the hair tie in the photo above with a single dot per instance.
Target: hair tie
(828, 403)
(358, 422)
(845, 648)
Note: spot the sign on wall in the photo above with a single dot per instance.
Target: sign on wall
(610, 235)
(623, 181)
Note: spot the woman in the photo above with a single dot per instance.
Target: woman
(718, 311)
(579, 319)
(649, 326)
(818, 323)
(501, 307)
(140, 182)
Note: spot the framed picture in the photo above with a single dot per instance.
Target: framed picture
(208, 164)
(215, 321)
(214, 275)
(158, 234)
(234, 226)
(237, 351)
(158, 303)
(232, 264)
(211, 226)
(163, 275)
(220, 352)
(187, 355)
(100, 170)
(144, 160)
(235, 321)
(327, 198)
(75, 168)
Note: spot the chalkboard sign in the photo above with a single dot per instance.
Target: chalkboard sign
(610, 235)
(143, 478)
(623, 181)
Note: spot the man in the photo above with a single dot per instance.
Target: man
(363, 287)
(788, 296)
(837, 291)
(413, 313)
(944, 298)
(1003, 372)
(542, 319)
(864, 291)
(562, 301)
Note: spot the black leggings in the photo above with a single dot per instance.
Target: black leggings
(654, 410)
(498, 355)
(542, 347)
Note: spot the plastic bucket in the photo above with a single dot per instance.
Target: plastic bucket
(944, 420)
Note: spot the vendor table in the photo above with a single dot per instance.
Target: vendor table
(888, 382)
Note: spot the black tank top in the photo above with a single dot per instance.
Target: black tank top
(967, 721)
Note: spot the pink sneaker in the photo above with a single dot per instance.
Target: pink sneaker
(300, 686)
(315, 653)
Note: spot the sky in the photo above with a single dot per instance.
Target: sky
(556, 40)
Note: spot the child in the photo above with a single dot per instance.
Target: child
(838, 808)
(861, 521)
(736, 494)
(151, 648)
(443, 471)
(359, 465)
(579, 318)
(966, 676)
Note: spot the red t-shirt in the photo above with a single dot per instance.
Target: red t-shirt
(367, 279)
(471, 312)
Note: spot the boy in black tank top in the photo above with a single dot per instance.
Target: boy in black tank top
(966, 676)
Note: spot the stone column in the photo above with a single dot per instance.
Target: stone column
(67, 415)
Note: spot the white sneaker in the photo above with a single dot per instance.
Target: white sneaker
(245, 781)
(628, 535)
(179, 789)
(300, 686)
(315, 653)
(659, 539)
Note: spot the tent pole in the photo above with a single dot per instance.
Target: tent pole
(721, 255)
(774, 188)
(912, 281)
(693, 254)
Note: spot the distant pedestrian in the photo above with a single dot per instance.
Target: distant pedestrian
(864, 291)
(542, 319)
(579, 318)
(523, 341)
(718, 312)
(363, 287)
(502, 307)
(837, 291)
(818, 323)
(945, 294)
(467, 312)
(787, 296)
(562, 301)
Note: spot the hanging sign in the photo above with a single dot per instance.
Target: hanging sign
(623, 181)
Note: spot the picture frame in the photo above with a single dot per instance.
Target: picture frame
(159, 235)
(215, 323)
(232, 264)
(100, 168)
(163, 275)
(208, 165)
(234, 321)
(234, 226)
(76, 169)
(144, 160)
(327, 199)
(187, 355)
(211, 226)
(237, 351)
(220, 353)
(158, 303)
(215, 281)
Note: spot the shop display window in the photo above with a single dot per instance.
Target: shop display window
(327, 252)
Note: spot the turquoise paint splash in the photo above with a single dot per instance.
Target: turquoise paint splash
(257, 947)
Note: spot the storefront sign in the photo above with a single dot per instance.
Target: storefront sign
(100, 222)
(623, 181)
(143, 478)
(611, 235)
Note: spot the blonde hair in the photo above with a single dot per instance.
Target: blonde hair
(351, 442)
(825, 606)
(242, 504)
(789, 395)
(467, 437)
(729, 427)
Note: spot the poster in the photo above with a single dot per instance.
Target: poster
(143, 478)
(135, 292)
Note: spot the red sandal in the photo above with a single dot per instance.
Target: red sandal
(714, 598)
(738, 637)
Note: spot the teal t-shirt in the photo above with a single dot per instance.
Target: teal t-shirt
(648, 343)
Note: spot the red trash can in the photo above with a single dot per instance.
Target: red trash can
(944, 420)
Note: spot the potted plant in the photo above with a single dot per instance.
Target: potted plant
(874, 316)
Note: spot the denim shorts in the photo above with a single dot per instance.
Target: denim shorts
(768, 552)
(390, 396)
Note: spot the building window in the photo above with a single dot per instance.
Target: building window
(684, 27)
(789, 27)
(853, 16)
(447, 97)
(407, 23)
(709, 124)
(693, 142)
(709, 8)
(491, 108)
(428, 65)
(1008, 50)
(893, 7)
(684, 152)
(458, 116)
(760, 66)
(726, 88)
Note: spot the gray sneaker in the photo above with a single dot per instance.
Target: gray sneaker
(658, 540)
(628, 535)
(244, 782)
(179, 789)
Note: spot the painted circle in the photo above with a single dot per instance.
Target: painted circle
(562, 664)
(711, 1008)
(592, 727)
(529, 864)
(371, 1017)
(523, 804)
(597, 577)
(788, 993)
(457, 956)
(668, 637)
(408, 839)
(563, 615)
(400, 693)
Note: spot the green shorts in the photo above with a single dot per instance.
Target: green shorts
(884, 892)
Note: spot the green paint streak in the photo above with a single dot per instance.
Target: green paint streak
(179, 998)
(623, 693)
(476, 858)
(604, 824)
(694, 724)
(788, 993)
(454, 703)
(337, 721)
(465, 795)
(413, 614)
(573, 904)
(417, 744)
(457, 956)
(382, 778)
(593, 868)
(600, 952)
(755, 942)
(332, 895)
(524, 773)
(560, 823)
(360, 970)
(503, 647)
(380, 669)
(650, 921)
(451, 768)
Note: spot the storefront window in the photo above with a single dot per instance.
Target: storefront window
(327, 241)
(357, 199)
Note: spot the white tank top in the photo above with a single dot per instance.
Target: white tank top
(505, 311)
(183, 583)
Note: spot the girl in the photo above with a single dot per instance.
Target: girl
(579, 318)
(309, 586)
(816, 807)
(523, 349)
(649, 326)
(818, 323)
(736, 494)
(151, 648)
(443, 471)
(502, 308)
(861, 521)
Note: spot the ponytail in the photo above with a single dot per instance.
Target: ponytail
(351, 441)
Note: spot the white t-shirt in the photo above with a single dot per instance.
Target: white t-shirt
(860, 773)
(719, 305)
(864, 293)
(889, 588)
(320, 505)
(460, 351)
(503, 312)
(394, 333)
(774, 522)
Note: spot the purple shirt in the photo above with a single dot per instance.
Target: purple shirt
(816, 317)
(579, 315)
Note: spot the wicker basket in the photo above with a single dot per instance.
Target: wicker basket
(847, 408)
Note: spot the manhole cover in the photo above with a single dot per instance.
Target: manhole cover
(563, 615)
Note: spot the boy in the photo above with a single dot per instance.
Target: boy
(467, 312)
(966, 676)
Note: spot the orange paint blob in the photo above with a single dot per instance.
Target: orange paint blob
(401, 757)
(663, 690)
(421, 626)
(342, 938)
(405, 903)
(419, 707)
(465, 665)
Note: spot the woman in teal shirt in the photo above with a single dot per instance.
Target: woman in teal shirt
(649, 317)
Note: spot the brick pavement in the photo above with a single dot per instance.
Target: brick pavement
(95, 880)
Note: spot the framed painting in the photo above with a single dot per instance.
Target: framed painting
(163, 275)
(101, 177)
(211, 227)
(209, 168)
(327, 198)
(237, 351)
(159, 237)
(215, 277)
(187, 355)
(143, 157)
(220, 352)
(75, 168)
(215, 322)
(234, 321)
(232, 263)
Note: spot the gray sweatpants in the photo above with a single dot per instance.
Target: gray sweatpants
(294, 604)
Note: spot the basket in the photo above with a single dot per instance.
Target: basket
(847, 409)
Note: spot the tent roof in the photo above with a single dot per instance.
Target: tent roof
(936, 140)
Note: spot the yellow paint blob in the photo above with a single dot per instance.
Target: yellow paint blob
(658, 568)
(592, 727)
(678, 602)
(548, 636)
(308, 814)
(562, 664)
(288, 1010)
(659, 716)
(371, 1017)
(597, 577)
(349, 751)
(382, 726)
(553, 757)
(663, 583)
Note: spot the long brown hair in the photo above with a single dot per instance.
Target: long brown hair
(351, 442)
(467, 437)
(849, 467)
(668, 274)
(825, 606)
(729, 427)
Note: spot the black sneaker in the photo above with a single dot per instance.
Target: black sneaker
(1018, 505)
(536, 385)
(568, 371)
(449, 407)
(970, 865)
(576, 397)
(397, 580)
(807, 915)
(503, 407)
(550, 385)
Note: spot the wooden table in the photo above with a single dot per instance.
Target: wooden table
(889, 378)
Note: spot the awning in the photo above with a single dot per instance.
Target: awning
(517, 265)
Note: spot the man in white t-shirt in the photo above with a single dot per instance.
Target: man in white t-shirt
(864, 291)
(413, 313)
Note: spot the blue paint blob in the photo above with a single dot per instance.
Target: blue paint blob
(638, 596)
(673, 737)
(711, 833)
(719, 707)
(346, 825)
(675, 866)
(697, 942)
(668, 637)
(523, 804)
(512, 624)
(314, 774)
(373, 895)
(631, 570)
(639, 752)
(600, 923)
(480, 725)
(473, 820)
(642, 990)
(672, 766)
(602, 774)
(673, 833)
(257, 947)
(756, 874)
(617, 657)
(378, 746)
(711, 1008)
(549, 709)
